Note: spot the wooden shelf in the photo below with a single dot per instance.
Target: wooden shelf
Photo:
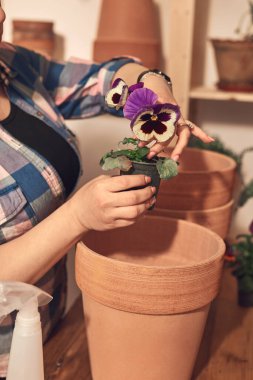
(212, 93)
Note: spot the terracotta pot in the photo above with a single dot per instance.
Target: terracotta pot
(205, 181)
(149, 169)
(234, 61)
(216, 219)
(129, 28)
(147, 290)
(34, 35)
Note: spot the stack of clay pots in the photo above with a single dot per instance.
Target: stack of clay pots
(202, 192)
(129, 28)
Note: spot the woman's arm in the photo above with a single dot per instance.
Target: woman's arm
(129, 73)
(98, 205)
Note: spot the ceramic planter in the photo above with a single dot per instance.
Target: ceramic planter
(129, 28)
(234, 60)
(216, 219)
(147, 290)
(205, 181)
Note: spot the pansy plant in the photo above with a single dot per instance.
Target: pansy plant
(149, 120)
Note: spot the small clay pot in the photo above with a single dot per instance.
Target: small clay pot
(148, 169)
(234, 60)
(205, 181)
(245, 299)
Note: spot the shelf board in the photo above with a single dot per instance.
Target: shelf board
(212, 93)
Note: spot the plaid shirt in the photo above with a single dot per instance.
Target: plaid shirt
(30, 188)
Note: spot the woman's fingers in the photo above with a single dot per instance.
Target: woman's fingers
(126, 182)
(184, 131)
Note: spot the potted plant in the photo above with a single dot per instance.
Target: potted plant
(234, 57)
(133, 160)
(150, 120)
(240, 256)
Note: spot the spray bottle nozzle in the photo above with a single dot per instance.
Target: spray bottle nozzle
(21, 296)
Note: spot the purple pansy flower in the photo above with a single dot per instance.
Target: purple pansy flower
(151, 120)
(117, 96)
(138, 99)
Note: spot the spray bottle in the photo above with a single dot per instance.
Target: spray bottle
(26, 355)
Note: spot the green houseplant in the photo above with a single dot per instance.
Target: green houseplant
(240, 256)
(234, 57)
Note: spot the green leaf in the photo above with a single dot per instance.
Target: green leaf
(167, 168)
(121, 162)
(129, 140)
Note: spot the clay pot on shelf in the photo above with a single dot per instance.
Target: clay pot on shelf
(234, 61)
(129, 28)
(216, 219)
(146, 292)
(205, 181)
(35, 35)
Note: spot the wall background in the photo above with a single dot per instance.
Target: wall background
(76, 24)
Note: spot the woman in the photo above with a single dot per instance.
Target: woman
(40, 217)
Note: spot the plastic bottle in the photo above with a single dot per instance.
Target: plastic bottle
(26, 355)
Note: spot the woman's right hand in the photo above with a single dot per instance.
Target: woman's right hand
(102, 203)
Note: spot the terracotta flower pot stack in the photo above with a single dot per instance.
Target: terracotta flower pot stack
(202, 192)
(128, 28)
(146, 292)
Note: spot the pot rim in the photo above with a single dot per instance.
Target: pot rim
(219, 252)
(204, 211)
(231, 162)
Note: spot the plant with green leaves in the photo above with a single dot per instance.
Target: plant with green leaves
(123, 159)
(240, 256)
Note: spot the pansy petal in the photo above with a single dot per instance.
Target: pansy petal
(148, 125)
(137, 100)
(135, 87)
(116, 97)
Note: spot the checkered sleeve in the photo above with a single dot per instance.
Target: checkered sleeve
(78, 87)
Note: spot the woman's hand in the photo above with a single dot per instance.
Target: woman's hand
(104, 203)
(184, 129)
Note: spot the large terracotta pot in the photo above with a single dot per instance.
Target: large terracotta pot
(205, 181)
(146, 291)
(234, 61)
(34, 35)
(129, 28)
(216, 219)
